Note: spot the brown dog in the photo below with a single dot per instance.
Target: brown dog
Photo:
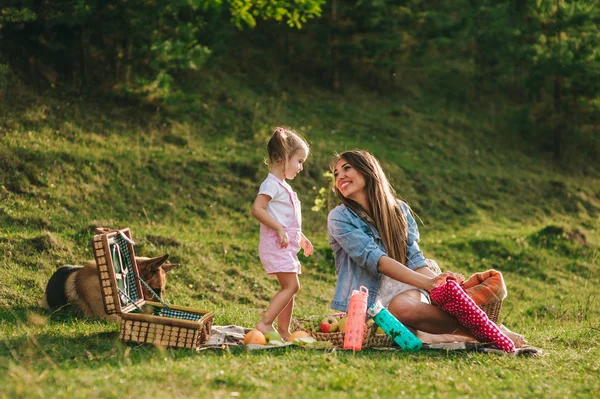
(80, 286)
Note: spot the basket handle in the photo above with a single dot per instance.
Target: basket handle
(123, 293)
(154, 294)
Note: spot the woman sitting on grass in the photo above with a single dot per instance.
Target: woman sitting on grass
(374, 238)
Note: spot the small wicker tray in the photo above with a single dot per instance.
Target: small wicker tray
(379, 340)
(171, 326)
(370, 338)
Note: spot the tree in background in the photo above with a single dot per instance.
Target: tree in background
(379, 41)
(548, 53)
(135, 47)
(367, 42)
(541, 55)
(564, 71)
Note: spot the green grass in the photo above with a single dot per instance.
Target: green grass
(185, 187)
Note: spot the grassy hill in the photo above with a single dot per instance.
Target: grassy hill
(185, 186)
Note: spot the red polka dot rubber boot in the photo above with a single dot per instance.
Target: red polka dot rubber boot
(454, 300)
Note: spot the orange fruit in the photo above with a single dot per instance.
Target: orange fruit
(255, 337)
(298, 334)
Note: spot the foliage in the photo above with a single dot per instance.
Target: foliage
(538, 57)
(324, 199)
(548, 51)
(294, 12)
(4, 71)
(136, 47)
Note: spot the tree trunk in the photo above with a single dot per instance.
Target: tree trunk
(287, 49)
(118, 60)
(128, 68)
(335, 70)
(83, 56)
(557, 138)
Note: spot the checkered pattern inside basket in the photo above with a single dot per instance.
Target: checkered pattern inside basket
(178, 314)
(126, 255)
(121, 260)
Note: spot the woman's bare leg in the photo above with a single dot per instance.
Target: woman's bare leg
(434, 325)
(409, 308)
(427, 338)
(517, 339)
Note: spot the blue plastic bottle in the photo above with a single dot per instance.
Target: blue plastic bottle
(394, 328)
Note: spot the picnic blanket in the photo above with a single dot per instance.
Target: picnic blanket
(486, 348)
(222, 337)
(486, 287)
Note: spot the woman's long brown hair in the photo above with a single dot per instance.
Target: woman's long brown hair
(385, 212)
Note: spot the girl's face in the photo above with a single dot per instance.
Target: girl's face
(349, 181)
(295, 163)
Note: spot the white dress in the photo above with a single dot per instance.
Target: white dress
(389, 288)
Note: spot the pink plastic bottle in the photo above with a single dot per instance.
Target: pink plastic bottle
(357, 315)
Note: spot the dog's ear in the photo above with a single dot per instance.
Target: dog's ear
(155, 263)
(167, 267)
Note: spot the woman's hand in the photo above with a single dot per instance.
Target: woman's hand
(457, 276)
(440, 279)
(284, 240)
(306, 245)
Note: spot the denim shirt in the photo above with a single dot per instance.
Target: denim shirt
(357, 248)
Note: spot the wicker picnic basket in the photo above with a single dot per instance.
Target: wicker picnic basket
(143, 321)
(492, 310)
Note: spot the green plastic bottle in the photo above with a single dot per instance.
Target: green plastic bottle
(394, 328)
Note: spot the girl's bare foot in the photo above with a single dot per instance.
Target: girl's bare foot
(517, 339)
(264, 328)
(285, 335)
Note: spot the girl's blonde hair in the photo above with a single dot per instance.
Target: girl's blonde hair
(385, 212)
(283, 144)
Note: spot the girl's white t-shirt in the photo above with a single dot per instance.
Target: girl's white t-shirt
(280, 206)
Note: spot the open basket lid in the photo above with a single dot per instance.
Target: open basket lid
(117, 269)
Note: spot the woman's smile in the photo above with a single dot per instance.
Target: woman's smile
(343, 185)
(349, 181)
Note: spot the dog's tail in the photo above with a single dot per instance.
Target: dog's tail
(56, 295)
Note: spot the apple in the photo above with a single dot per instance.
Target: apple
(342, 324)
(329, 324)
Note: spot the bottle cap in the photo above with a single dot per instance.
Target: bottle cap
(375, 308)
(364, 291)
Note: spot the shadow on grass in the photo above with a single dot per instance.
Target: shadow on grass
(60, 339)
(65, 342)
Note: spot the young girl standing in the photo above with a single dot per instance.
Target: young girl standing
(277, 208)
